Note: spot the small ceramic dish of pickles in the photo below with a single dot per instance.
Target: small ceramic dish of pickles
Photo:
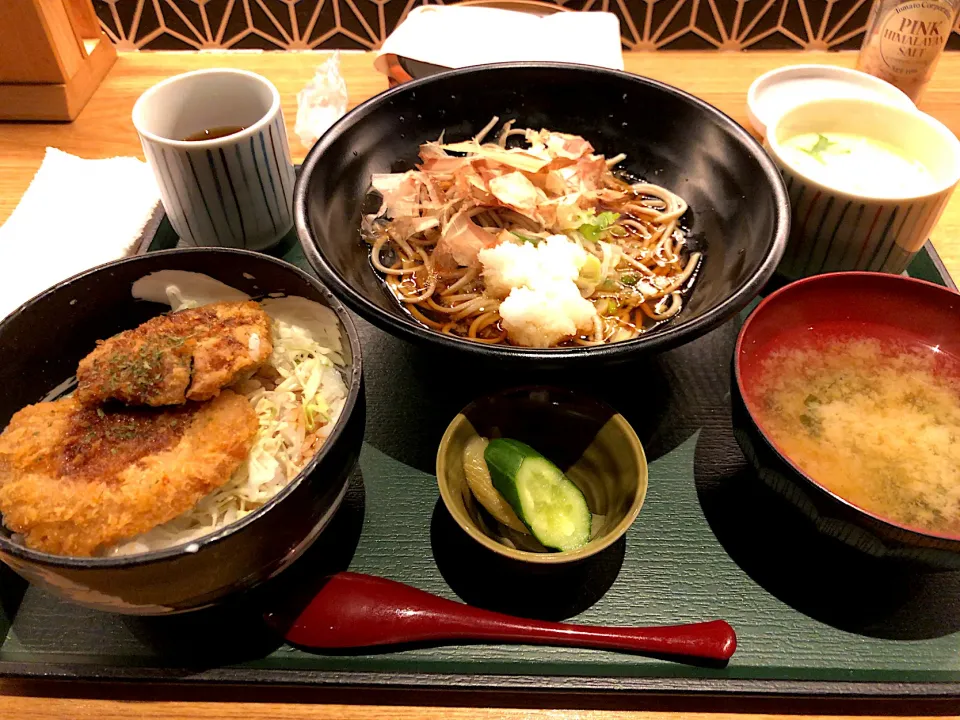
(542, 475)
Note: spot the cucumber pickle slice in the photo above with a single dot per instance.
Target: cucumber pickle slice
(545, 500)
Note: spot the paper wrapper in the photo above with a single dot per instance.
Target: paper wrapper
(321, 103)
(459, 37)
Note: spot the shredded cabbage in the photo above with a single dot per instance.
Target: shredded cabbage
(295, 419)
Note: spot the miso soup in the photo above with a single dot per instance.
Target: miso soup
(875, 421)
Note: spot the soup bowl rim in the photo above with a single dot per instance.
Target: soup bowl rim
(776, 447)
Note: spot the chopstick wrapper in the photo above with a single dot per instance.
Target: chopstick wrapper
(459, 37)
(321, 103)
(75, 215)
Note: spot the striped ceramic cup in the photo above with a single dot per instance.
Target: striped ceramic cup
(834, 228)
(235, 190)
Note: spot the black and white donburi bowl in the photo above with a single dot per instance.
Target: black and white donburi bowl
(40, 346)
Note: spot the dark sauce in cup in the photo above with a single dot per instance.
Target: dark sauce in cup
(214, 133)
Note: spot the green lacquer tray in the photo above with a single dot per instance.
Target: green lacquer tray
(812, 618)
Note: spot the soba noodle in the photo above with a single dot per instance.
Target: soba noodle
(432, 236)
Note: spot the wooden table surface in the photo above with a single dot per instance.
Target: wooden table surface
(104, 130)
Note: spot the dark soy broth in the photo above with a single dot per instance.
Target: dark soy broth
(214, 133)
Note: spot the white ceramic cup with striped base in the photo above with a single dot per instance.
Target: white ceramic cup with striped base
(231, 191)
(833, 229)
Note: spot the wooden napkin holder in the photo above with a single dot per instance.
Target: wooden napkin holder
(53, 56)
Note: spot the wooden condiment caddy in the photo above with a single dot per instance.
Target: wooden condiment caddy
(53, 56)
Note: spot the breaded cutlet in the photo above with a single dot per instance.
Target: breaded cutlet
(186, 355)
(75, 479)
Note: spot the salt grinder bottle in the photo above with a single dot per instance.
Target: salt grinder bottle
(905, 39)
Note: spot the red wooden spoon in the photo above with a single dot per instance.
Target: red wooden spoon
(355, 611)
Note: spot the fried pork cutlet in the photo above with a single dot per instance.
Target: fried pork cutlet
(74, 479)
(185, 355)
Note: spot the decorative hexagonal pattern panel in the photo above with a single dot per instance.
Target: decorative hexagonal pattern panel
(363, 24)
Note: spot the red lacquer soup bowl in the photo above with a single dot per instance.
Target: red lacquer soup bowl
(897, 315)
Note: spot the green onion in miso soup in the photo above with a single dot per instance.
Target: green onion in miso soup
(872, 419)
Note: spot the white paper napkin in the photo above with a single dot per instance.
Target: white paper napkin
(321, 103)
(75, 215)
(458, 37)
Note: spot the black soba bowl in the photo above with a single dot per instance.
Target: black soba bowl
(40, 346)
(739, 213)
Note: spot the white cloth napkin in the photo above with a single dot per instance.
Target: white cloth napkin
(458, 37)
(75, 215)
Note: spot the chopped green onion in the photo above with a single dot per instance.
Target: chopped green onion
(594, 228)
(822, 145)
(629, 279)
(611, 306)
(526, 238)
(590, 272)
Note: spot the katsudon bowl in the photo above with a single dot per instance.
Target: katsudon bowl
(738, 215)
(41, 344)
